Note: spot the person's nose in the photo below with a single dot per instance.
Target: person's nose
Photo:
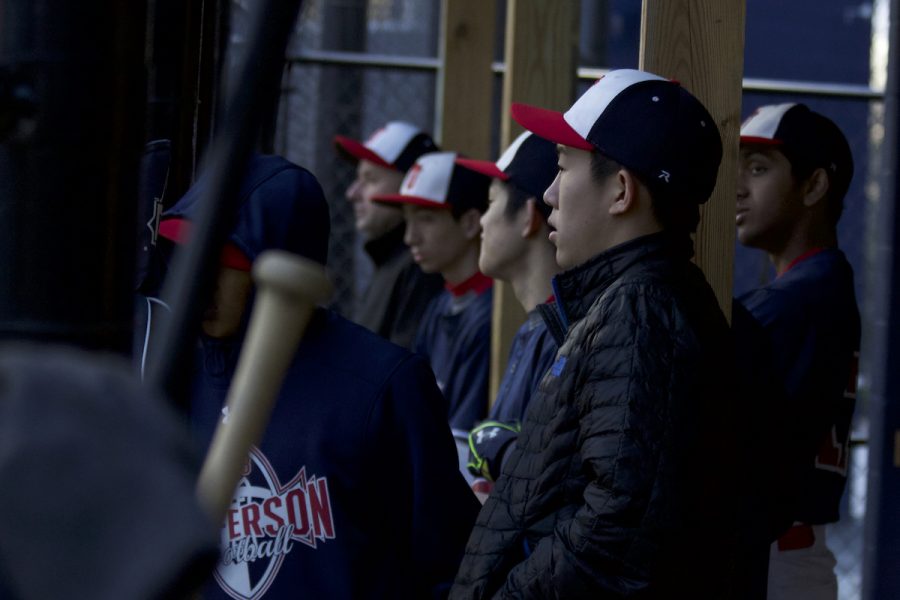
(411, 234)
(353, 192)
(742, 189)
(551, 194)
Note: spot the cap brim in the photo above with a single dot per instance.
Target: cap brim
(179, 230)
(550, 125)
(353, 150)
(175, 230)
(485, 167)
(415, 200)
(750, 139)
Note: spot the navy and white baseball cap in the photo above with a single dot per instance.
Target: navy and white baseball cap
(804, 136)
(644, 122)
(396, 146)
(529, 163)
(436, 180)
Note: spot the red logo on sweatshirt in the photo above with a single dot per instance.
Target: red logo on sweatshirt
(265, 522)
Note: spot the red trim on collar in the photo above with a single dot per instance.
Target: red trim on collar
(479, 283)
(808, 254)
(551, 298)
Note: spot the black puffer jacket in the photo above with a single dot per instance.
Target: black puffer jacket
(619, 485)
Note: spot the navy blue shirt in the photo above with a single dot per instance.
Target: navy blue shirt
(810, 317)
(532, 352)
(455, 336)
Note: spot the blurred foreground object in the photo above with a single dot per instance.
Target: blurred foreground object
(98, 494)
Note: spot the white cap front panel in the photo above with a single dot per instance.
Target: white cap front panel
(507, 157)
(430, 177)
(587, 109)
(765, 121)
(390, 141)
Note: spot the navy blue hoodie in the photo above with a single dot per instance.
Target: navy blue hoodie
(354, 491)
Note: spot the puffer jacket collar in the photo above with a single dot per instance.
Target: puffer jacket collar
(578, 288)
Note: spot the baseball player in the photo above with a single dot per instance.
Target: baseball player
(515, 248)
(399, 292)
(442, 205)
(315, 513)
(794, 171)
(618, 484)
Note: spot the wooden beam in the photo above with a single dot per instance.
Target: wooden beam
(541, 57)
(465, 81)
(701, 44)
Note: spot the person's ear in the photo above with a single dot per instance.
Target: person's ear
(470, 223)
(532, 218)
(815, 188)
(624, 192)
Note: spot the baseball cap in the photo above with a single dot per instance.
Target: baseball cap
(529, 163)
(396, 146)
(179, 231)
(644, 122)
(805, 136)
(436, 180)
(281, 206)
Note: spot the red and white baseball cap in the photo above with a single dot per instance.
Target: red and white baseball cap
(644, 122)
(436, 180)
(808, 139)
(396, 146)
(178, 230)
(529, 163)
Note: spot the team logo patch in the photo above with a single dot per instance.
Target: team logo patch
(557, 368)
(266, 521)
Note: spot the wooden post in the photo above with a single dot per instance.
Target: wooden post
(541, 54)
(465, 80)
(701, 44)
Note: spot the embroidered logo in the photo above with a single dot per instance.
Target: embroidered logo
(265, 522)
(557, 368)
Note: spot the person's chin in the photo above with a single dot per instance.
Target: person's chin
(424, 264)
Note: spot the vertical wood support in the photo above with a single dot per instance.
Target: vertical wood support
(541, 55)
(701, 44)
(465, 80)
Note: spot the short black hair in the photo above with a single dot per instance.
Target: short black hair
(802, 167)
(458, 209)
(672, 213)
(517, 198)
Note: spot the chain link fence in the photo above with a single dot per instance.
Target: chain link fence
(331, 95)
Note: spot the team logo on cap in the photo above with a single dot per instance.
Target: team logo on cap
(266, 522)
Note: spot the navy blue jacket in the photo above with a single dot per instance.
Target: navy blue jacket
(531, 354)
(354, 491)
(810, 317)
(455, 335)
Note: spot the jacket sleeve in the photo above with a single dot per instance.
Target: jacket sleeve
(428, 491)
(624, 386)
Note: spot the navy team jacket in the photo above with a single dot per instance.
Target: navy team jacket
(354, 491)
(455, 335)
(531, 354)
(810, 316)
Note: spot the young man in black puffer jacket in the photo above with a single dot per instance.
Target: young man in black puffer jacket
(620, 482)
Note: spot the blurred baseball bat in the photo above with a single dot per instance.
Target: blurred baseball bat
(288, 289)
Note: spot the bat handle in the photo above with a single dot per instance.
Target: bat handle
(288, 289)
